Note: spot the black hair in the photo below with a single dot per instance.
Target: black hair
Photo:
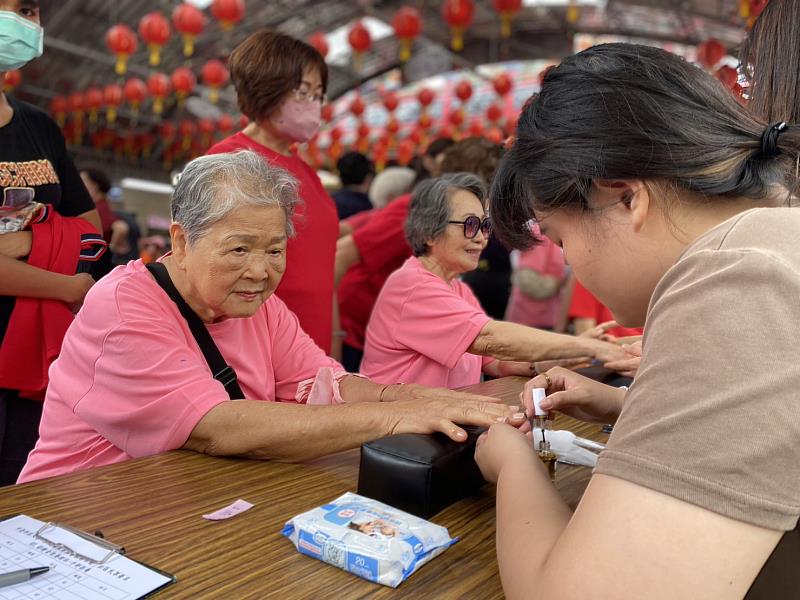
(625, 111)
(354, 168)
(100, 179)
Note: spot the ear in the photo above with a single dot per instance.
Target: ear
(179, 244)
(632, 195)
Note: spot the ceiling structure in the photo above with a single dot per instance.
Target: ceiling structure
(76, 57)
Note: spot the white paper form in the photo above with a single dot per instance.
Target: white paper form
(70, 577)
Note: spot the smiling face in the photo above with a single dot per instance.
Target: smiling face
(451, 250)
(236, 265)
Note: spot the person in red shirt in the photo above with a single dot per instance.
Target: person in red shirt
(280, 83)
(587, 312)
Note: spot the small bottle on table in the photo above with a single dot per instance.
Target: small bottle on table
(543, 421)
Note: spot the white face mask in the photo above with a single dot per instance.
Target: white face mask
(298, 120)
(20, 41)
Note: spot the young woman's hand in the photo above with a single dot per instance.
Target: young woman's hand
(499, 446)
(575, 395)
(630, 365)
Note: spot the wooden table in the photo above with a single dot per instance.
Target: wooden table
(153, 507)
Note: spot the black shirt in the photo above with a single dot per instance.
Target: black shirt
(33, 153)
(350, 202)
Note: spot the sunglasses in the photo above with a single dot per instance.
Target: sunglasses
(472, 225)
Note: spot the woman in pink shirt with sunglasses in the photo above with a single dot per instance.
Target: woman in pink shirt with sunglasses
(427, 326)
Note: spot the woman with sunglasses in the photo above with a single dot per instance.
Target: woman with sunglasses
(34, 168)
(280, 85)
(428, 327)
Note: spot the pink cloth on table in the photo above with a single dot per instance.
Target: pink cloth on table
(420, 330)
(131, 381)
(546, 259)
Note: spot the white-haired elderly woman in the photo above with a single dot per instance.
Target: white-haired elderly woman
(132, 380)
(427, 326)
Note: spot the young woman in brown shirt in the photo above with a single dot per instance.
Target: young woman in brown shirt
(668, 199)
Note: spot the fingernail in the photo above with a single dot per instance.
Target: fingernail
(519, 415)
(501, 419)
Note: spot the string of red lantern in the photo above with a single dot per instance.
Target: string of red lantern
(407, 24)
(360, 41)
(121, 41)
(458, 14)
(155, 30)
(189, 21)
(319, 42)
(215, 75)
(507, 9)
(228, 12)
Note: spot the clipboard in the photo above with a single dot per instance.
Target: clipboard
(81, 564)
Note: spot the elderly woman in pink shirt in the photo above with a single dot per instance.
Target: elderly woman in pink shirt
(132, 380)
(427, 326)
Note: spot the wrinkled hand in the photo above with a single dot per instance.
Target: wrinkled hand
(600, 332)
(419, 409)
(575, 395)
(542, 366)
(499, 446)
(630, 365)
(16, 244)
(606, 351)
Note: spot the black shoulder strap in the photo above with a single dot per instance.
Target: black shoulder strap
(222, 371)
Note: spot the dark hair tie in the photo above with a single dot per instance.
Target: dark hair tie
(769, 140)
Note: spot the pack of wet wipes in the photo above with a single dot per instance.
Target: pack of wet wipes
(367, 538)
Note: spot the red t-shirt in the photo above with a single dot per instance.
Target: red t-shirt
(383, 248)
(585, 306)
(307, 284)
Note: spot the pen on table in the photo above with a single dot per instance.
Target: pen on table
(21, 575)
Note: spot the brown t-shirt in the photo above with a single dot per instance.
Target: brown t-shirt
(713, 417)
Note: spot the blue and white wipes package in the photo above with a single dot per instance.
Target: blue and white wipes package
(367, 538)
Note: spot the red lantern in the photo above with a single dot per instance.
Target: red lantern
(327, 112)
(728, 76)
(573, 13)
(336, 134)
(228, 12)
(405, 152)
(319, 42)
(425, 121)
(59, 106)
(380, 155)
(76, 105)
(360, 41)
(710, 52)
(159, 87)
(112, 98)
(392, 127)
(225, 124)
(214, 75)
(155, 30)
(390, 101)
(146, 141)
(425, 97)
(363, 132)
(12, 80)
(187, 129)
(458, 14)
(167, 132)
(357, 107)
(464, 90)
(207, 127)
(495, 135)
(507, 10)
(93, 99)
(407, 26)
(476, 128)
(121, 40)
(502, 84)
(189, 21)
(135, 92)
(243, 121)
(494, 113)
(183, 80)
(456, 118)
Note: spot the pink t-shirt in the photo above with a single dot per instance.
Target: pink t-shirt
(546, 259)
(131, 381)
(420, 330)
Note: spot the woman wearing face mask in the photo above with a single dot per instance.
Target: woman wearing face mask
(281, 83)
(34, 167)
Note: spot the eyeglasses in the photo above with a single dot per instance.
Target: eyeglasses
(304, 94)
(472, 225)
(15, 198)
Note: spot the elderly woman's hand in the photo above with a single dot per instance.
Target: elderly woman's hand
(418, 409)
(630, 365)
